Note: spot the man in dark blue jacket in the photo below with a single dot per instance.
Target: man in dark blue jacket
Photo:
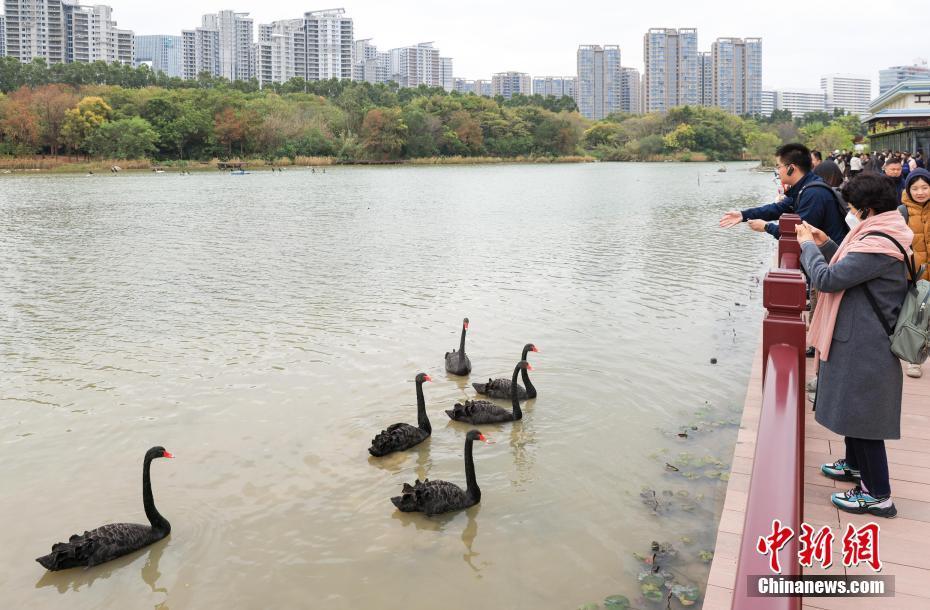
(808, 196)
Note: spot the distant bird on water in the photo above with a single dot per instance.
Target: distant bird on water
(457, 362)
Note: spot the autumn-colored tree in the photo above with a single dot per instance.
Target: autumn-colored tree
(81, 122)
(51, 102)
(19, 124)
(468, 130)
(384, 133)
(229, 129)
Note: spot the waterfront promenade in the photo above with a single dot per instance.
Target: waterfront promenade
(904, 541)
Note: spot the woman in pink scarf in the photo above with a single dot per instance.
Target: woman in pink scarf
(859, 382)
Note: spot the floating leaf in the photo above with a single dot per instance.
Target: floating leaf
(620, 602)
(686, 594)
(686, 540)
(589, 606)
(706, 556)
(724, 476)
(652, 592)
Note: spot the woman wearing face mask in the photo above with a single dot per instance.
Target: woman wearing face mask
(860, 380)
(916, 202)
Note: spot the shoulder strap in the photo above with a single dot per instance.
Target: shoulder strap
(903, 209)
(912, 281)
(909, 261)
(824, 185)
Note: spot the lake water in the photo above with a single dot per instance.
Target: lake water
(264, 327)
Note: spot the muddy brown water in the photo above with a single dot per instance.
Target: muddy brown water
(264, 327)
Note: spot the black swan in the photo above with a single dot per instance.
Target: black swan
(400, 437)
(500, 387)
(114, 540)
(457, 362)
(435, 497)
(479, 412)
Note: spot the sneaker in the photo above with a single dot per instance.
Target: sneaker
(859, 502)
(812, 384)
(840, 471)
(810, 352)
(914, 370)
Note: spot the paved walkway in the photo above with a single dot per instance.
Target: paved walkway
(905, 540)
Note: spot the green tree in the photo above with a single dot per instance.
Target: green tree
(131, 138)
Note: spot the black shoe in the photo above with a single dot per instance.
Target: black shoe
(810, 352)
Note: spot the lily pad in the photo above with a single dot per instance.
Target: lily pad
(619, 602)
(706, 556)
(686, 594)
(651, 592)
(589, 606)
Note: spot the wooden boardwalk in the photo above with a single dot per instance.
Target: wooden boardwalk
(905, 540)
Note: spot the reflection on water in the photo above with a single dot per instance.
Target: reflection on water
(267, 328)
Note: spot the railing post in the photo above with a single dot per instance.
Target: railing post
(784, 295)
(789, 250)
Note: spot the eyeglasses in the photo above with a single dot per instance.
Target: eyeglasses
(779, 166)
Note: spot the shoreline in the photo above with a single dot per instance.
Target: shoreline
(60, 165)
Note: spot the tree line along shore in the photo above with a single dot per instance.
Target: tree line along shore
(79, 117)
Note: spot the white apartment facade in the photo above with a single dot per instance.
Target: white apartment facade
(737, 75)
(329, 38)
(671, 75)
(555, 86)
(600, 81)
(91, 35)
(416, 65)
(509, 84)
(800, 101)
(631, 91)
(2, 35)
(850, 93)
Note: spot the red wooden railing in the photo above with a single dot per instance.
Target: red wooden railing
(776, 489)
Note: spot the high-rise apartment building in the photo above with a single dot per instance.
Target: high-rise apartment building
(600, 81)
(509, 84)
(200, 53)
(368, 65)
(478, 87)
(554, 86)
(35, 29)
(91, 35)
(672, 74)
(737, 75)
(329, 39)
(706, 66)
(160, 53)
(890, 77)
(631, 92)
(280, 53)
(2, 35)
(416, 65)
(850, 93)
(445, 73)
(222, 46)
(65, 32)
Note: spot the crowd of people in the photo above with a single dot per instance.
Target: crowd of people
(861, 215)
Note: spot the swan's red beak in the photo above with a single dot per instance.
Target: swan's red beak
(529, 366)
(482, 437)
(167, 454)
(466, 325)
(535, 349)
(427, 378)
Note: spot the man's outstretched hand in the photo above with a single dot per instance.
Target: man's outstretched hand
(731, 219)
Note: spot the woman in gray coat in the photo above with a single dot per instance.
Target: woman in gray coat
(859, 384)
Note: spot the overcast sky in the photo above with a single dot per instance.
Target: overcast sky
(801, 41)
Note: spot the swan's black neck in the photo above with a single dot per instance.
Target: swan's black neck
(158, 522)
(530, 389)
(472, 488)
(462, 341)
(517, 411)
(422, 419)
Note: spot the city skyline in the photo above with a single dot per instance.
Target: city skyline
(539, 39)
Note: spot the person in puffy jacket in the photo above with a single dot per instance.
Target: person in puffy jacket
(916, 201)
